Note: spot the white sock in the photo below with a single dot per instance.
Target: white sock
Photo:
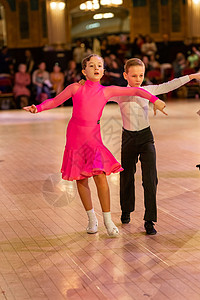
(92, 221)
(107, 217)
(110, 226)
(91, 214)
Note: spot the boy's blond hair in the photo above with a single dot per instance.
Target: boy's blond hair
(133, 62)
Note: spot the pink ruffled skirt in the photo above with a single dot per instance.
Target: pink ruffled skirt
(85, 154)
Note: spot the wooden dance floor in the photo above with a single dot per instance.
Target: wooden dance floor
(45, 252)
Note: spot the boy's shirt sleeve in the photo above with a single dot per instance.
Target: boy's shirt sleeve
(114, 99)
(167, 86)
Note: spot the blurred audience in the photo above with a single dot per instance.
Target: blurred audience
(71, 74)
(149, 46)
(179, 64)
(78, 53)
(41, 82)
(20, 90)
(115, 74)
(163, 61)
(29, 61)
(57, 79)
(5, 60)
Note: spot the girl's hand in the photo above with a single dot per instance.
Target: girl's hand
(32, 109)
(160, 105)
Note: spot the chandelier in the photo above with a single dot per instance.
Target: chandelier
(95, 4)
(60, 5)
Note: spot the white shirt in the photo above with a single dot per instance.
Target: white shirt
(134, 109)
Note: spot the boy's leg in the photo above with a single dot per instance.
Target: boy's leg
(129, 158)
(149, 177)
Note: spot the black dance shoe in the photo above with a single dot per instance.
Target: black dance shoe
(125, 217)
(149, 227)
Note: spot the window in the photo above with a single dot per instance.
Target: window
(176, 16)
(154, 16)
(23, 20)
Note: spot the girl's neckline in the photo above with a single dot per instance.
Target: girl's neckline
(92, 83)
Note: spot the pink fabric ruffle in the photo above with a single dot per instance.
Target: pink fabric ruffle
(79, 164)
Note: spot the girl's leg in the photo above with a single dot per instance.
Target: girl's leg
(104, 198)
(85, 195)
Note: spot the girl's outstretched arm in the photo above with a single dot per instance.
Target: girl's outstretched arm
(112, 91)
(67, 93)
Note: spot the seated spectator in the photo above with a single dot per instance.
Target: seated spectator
(153, 63)
(137, 45)
(41, 82)
(165, 50)
(113, 44)
(57, 79)
(29, 61)
(20, 90)
(6, 84)
(87, 49)
(104, 48)
(115, 74)
(193, 59)
(179, 64)
(78, 53)
(11, 72)
(148, 47)
(154, 73)
(107, 66)
(145, 60)
(5, 60)
(71, 74)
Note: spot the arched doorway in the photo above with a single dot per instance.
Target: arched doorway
(3, 37)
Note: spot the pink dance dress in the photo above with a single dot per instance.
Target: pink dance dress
(85, 154)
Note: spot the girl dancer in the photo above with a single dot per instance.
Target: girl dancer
(85, 155)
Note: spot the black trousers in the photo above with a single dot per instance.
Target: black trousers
(138, 144)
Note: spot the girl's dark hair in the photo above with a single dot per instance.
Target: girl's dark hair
(86, 59)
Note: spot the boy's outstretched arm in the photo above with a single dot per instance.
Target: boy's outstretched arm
(195, 76)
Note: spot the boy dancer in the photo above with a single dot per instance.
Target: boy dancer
(138, 142)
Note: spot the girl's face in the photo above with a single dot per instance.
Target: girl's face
(94, 69)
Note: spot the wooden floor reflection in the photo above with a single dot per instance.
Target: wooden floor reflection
(45, 252)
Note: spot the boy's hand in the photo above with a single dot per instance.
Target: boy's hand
(82, 82)
(160, 105)
(32, 109)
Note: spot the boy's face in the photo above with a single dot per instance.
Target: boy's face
(135, 75)
(94, 69)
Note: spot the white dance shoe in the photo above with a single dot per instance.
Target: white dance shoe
(92, 226)
(112, 230)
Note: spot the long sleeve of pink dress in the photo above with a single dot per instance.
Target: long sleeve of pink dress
(85, 154)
